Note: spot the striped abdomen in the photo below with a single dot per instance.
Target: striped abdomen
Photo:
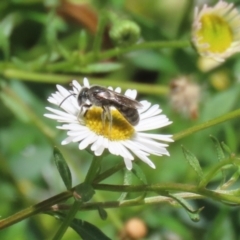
(131, 114)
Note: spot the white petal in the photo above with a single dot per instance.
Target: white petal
(145, 104)
(76, 86)
(99, 150)
(63, 91)
(112, 148)
(67, 140)
(133, 94)
(128, 92)
(58, 118)
(96, 144)
(128, 163)
(152, 123)
(61, 113)
(118, 90)
(86, 82)
(105, 142)
(124, 152)
(80, 137)
(145, 159)
(87, 141)
(161, 137)
(153, 111)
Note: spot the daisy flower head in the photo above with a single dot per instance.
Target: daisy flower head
(87, 126)
(216, 31)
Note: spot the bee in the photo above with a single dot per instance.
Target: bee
(106, 98)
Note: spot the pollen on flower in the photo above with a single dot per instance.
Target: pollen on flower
(121, 129)
(216, 32)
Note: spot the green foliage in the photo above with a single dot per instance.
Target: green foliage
(193, 162)
(137, 44)
(63, 168)
(86, 230)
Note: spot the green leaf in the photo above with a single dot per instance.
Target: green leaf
(85, 191)
(155, 61)
(86, 230)
(63, 168)
(226, 148)
(193, 162)
(104, 67)
(217, 145)
(82, 41)
(137, 171)
(193, 214)
(220, 155)
(102, 213)
(229, 97)
(126, 181)
(7, 25)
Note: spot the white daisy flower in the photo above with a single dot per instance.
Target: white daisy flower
(124, 139)
(216, 31)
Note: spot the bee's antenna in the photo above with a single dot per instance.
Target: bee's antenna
(72, 94)
(73, 86)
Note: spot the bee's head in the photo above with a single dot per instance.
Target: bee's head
(82, 96)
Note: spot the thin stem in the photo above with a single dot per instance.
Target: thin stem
(201, 126)
(35, 209)
(65, 224)
(188, 191)
(206, 179)
(108, 172)
(216, 195)
(127, 203)
(77, 204)
(141, 46)
(10, 73)
(93, 169)
(99, 35)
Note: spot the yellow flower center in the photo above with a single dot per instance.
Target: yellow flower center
(120, 129)
(216, 32)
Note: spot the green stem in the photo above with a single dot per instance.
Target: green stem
(35, 209)
(188, 192)
(67, 221)
(201, 126)
(11, 73)
(99, 35)
(93, 169)
(128, 203)
(141, 46)
(206, 179)
(77, 204)
(216, 195)
(109, 172)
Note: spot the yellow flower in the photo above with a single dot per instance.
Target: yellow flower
(215, 31)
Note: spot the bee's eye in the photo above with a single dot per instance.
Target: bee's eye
(83, 96)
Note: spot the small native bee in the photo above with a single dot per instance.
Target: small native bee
(106, 98)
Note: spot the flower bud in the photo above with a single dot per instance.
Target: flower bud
(124, 33)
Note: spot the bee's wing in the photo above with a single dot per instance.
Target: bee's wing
(117, 98)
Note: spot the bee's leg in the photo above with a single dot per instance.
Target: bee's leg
(80, 115)
(107, 114)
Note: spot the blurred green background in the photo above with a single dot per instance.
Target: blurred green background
(43, 43)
